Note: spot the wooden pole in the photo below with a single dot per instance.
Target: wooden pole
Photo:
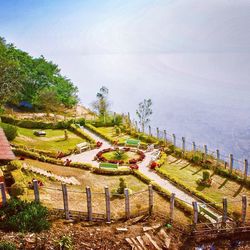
(3, 193)
(224, 215)
(65, 200)
(245, 169)
(151, 201)
(194, 146)
(172, 208)
(244, 208)
(89, 203)
(149, 130)
(157, 133)
(36, 191)
(174, 139)
(183, 144)
(165, 136)
(205, 152)
(107, 199)
(114, 117)
(127, 206)
(217, 155)
(128, 117)
(231, 163)
(195, 208)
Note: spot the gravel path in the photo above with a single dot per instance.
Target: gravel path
(88, 157)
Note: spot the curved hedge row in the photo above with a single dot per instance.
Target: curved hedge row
(76, 130)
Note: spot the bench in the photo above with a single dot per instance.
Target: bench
(202, 208)
(132, 143)
(108, 165)
(82, 146)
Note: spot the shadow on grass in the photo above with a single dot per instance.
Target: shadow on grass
(238, 191)
(197, 171)
(185, 166)
(200, 188)
(223, 184)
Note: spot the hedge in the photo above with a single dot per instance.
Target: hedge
(25, 123)
(76, 130)
(111, 172)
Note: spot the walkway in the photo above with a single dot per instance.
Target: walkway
(88, 157)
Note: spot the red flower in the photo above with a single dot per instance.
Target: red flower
(135, 166)
(153, 165)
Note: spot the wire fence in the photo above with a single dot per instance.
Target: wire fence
(239, 166)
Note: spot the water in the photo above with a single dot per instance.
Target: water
(204, 97)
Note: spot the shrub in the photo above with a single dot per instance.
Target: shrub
(4, 245)
(205, 175)
(65, 243)
(122, 186)
(16, 189)
(9, 130)
(23, 216)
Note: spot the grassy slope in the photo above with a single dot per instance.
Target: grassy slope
(221, 187)
(54, 139)
(97, 184)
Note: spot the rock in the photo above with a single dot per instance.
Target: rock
(121, 229)
(145, 229)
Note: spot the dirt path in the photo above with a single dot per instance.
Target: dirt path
(88, 157)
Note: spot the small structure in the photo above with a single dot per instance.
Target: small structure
(82, 146)
(40, 133)
(6, 155)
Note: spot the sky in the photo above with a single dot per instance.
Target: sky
(191, 57)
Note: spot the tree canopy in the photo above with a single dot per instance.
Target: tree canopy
(23, 78)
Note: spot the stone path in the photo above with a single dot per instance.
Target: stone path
(67, 180)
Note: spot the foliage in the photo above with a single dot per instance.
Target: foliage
(23, 77)
(122, 186)
(9, 130)
(4, 245)
(65, 243)
(23, 216)
(81, 133)
(16, 190)
(101, 105)
(205, 175)
(143, 112)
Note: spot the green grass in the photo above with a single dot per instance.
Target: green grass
(54, 139)
(125, 157)
(187, 174)
(110, 131)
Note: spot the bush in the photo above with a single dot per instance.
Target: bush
(65, 243)
(23, 216)
(9, 130)
(81, 133)
(4, 245)
(205, 175)
(16, 189)
(122, 186)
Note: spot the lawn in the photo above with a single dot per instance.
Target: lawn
(54, 139)
(52, 196)
(188, 174)
(110, 131)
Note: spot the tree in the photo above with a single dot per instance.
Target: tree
(10, 75)
(101, 105)
(47, 100)
(144, 112)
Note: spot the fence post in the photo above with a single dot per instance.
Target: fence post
(174, 139)
(127, 207)
(244, 208)
(172, 197)
(150, 196)
(245, 169)
(107, 199)
(195, 208)
(136, 125)
(165, 136)
(36, 191)
(3, 193)
(194, 146)
(128, 117)
(224, 215)
(65, 200)
(89, 203)
(231, 163)
(183, 144)
(157, 133)
(217, 155)
(205, 151)
(149, 130)
(115, 117)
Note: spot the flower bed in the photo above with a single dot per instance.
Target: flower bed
(121, 156)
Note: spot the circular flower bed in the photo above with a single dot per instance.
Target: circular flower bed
(121, 156)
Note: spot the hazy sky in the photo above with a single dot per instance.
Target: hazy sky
(192, 57)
